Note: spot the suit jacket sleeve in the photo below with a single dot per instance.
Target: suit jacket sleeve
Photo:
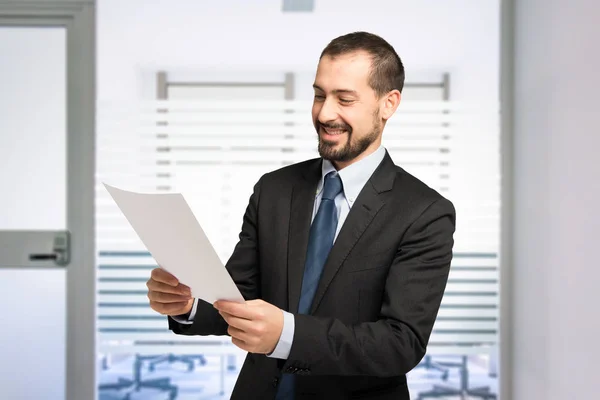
(395, 343)
(244, 270)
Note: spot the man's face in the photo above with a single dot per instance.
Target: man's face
(346, 111)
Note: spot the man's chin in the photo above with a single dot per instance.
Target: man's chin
(329, 144)
(329, 151)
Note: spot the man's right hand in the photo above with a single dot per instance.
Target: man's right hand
(168, 296)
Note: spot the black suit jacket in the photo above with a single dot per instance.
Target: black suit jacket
(378, 297)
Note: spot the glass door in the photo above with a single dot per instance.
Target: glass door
(34, 245)
(46, 201)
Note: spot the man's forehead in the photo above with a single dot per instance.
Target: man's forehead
(356, 63)
(355, 66)
(344, 73)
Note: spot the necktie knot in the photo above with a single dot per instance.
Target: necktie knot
(332, 186)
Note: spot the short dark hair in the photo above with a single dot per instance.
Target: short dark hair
(387, 71)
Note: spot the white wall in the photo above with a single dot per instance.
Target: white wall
(456, 36)
(556, 276)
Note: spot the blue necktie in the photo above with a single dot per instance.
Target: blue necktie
(320, 242)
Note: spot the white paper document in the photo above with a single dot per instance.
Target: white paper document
(171, 233)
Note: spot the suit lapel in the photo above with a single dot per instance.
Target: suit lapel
(366, 207)
(360, 216)
(303, 200)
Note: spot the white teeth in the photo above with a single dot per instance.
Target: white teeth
(334, 131)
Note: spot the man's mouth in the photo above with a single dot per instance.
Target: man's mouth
(333, 131)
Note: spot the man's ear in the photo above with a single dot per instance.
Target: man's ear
(390, 103)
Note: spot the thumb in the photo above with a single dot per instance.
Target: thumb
(254, 303)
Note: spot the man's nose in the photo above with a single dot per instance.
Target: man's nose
(328, 112)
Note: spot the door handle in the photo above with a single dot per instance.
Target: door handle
(43, 257)
(61, 252)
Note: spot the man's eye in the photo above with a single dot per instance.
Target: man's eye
(346, 100)
(319, 97)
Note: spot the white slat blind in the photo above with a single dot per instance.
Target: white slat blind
(214, 152)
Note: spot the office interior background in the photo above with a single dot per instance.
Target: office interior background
(204, 97)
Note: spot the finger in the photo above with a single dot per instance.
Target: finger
(255, 303)
(241, 344)
(240, 310)
(239, 323)
(226, 317)
(238, 334)
(159, 274)
(169, 308)
(161, 297)
(163, 287)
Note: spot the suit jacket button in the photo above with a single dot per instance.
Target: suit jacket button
(275, 382)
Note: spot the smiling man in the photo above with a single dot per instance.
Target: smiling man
(342, 260)
(339, 111)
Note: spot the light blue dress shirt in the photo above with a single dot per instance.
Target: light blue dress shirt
(354, 177)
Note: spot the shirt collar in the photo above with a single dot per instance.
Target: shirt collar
(354, 176)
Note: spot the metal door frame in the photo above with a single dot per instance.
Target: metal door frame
(78, 18)
(507, 91)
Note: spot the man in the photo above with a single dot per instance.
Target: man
(342, 260)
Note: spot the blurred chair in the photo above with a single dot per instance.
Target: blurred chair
(129, 386)
(189, 360)
(428, 364)
(463, 390)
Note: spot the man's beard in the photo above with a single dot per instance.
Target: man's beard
(352, 148)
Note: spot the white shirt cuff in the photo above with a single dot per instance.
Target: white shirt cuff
(282, 350)
(190, 318)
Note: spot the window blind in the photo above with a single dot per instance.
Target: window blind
(215, 151)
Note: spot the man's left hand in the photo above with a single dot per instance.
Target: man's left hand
(254, 326)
